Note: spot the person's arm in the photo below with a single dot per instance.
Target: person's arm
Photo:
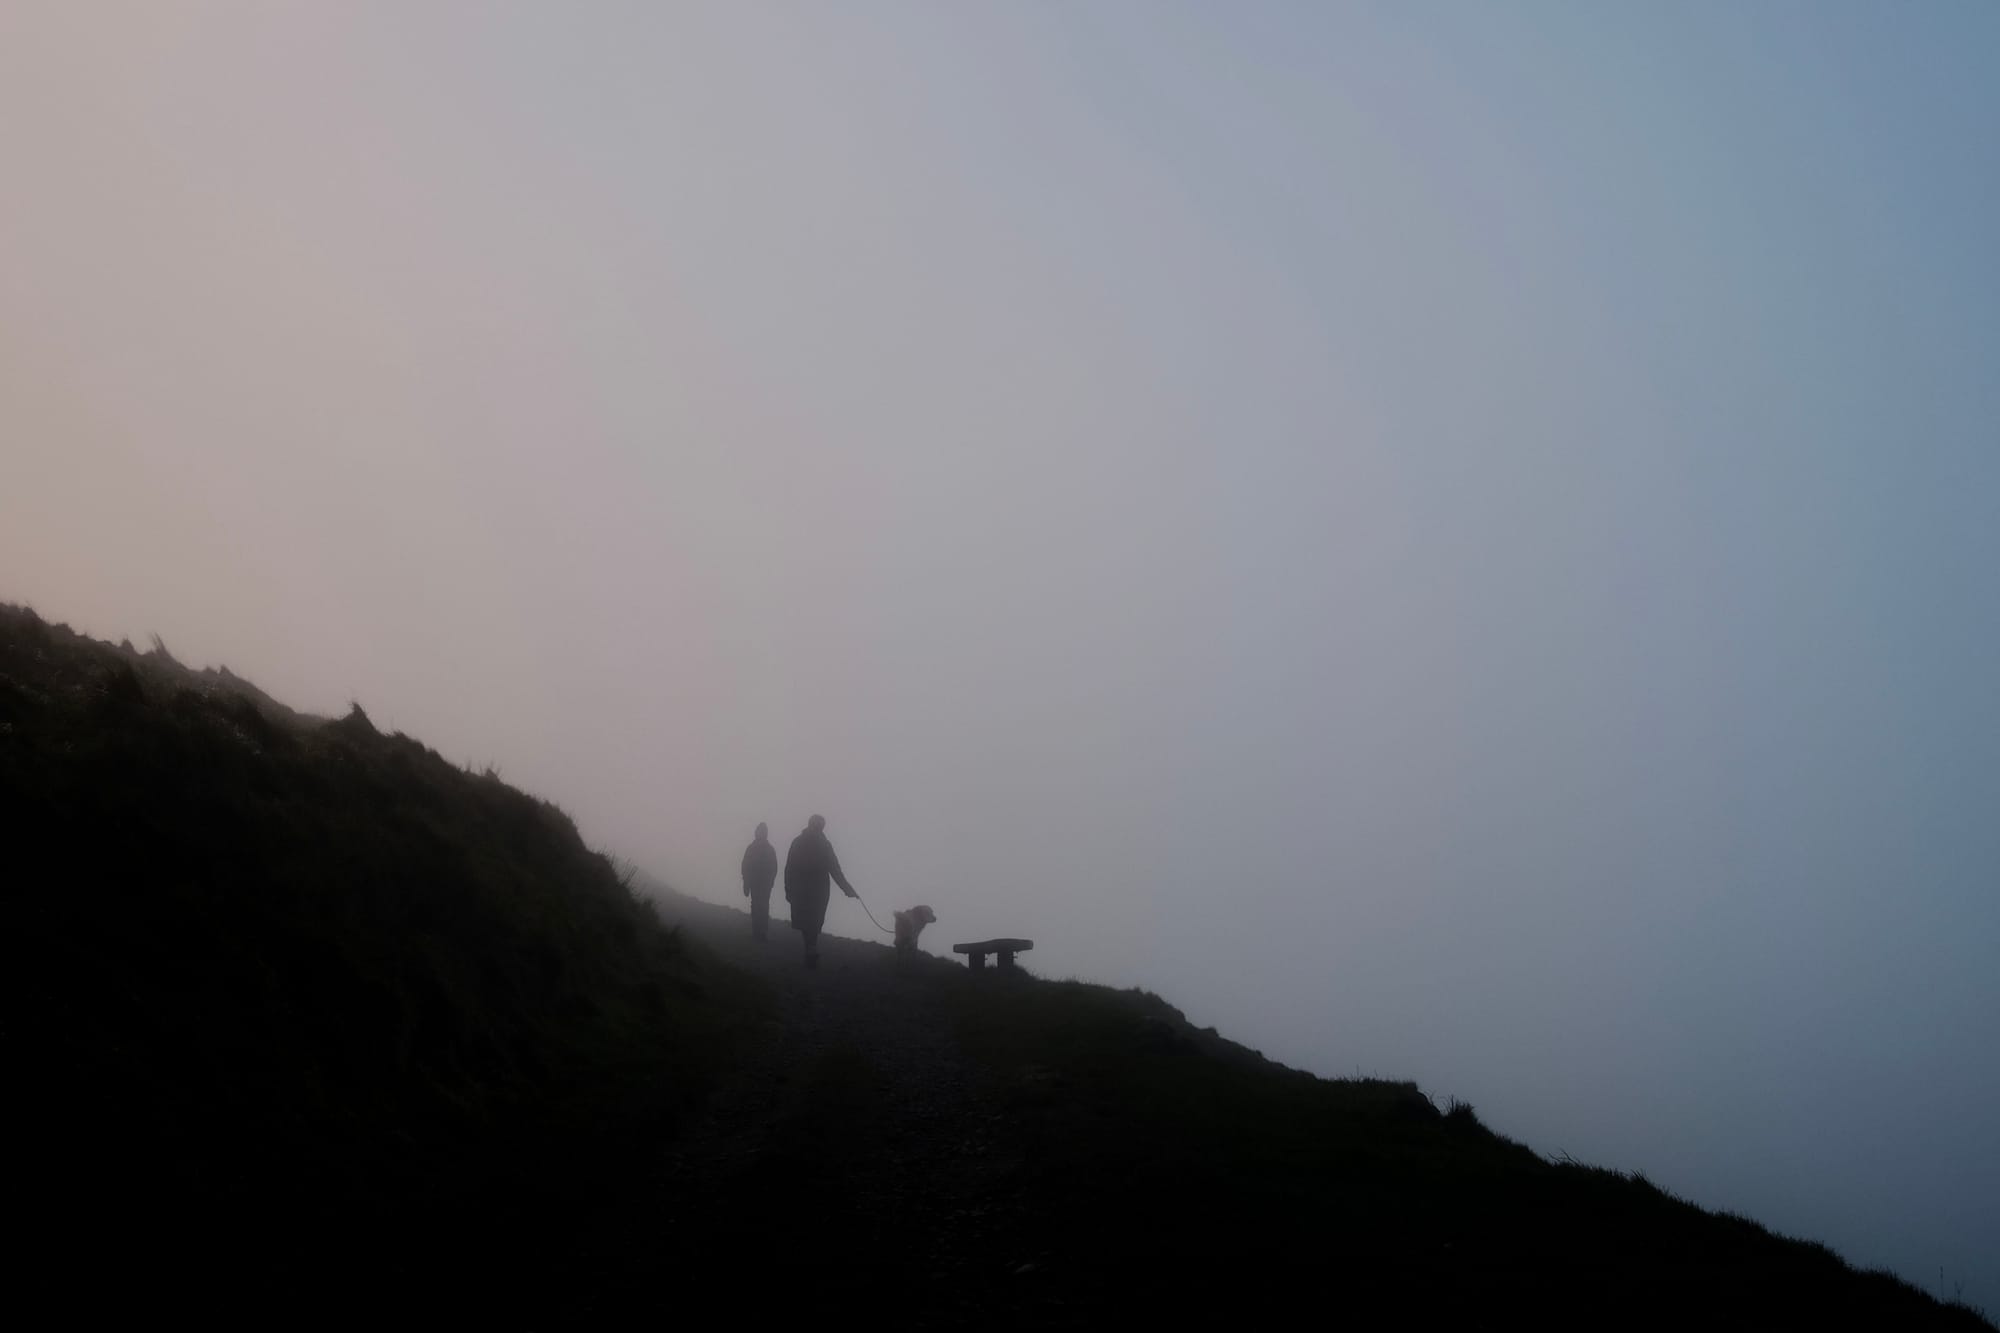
(748, 853)
(833, 864)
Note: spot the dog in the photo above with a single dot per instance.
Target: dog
(910, 924)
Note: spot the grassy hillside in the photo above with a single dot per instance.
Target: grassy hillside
(1081, 1157)
(1191, 1170)
(306, 1024)
(302, 997)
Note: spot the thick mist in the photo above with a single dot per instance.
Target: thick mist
(1452, 544)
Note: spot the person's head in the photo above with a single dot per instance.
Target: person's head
(763, 832)
(817, 824)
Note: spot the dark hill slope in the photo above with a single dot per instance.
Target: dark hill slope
(304, 1024)
(289, 998)
(1068, 1155)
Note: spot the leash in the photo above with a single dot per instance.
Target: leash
(871, 917)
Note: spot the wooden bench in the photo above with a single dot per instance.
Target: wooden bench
(976, 952)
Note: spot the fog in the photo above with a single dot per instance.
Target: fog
(1451, 542)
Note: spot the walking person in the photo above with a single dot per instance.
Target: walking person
(760, 871)
(808, 866)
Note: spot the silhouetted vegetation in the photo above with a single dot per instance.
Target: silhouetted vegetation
(1178, 1172)
(306, 1022)
(297, 997)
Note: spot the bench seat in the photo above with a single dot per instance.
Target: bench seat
(976, 952)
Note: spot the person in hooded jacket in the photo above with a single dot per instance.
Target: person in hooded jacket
(808, 866)
(760, 872)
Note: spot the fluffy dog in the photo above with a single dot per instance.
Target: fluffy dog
(910, 924)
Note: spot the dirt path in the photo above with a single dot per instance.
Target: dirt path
(851, 1157)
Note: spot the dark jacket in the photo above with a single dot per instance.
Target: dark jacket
(808, 866)
(760, 866)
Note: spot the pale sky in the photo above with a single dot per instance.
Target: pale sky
(1451, 541)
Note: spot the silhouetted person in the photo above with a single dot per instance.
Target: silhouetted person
(808, 866)
(760, 871)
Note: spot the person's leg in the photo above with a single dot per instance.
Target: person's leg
(760, 914)
(812, 915)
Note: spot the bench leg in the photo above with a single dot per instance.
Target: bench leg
(975, 961)
(1006, 960)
